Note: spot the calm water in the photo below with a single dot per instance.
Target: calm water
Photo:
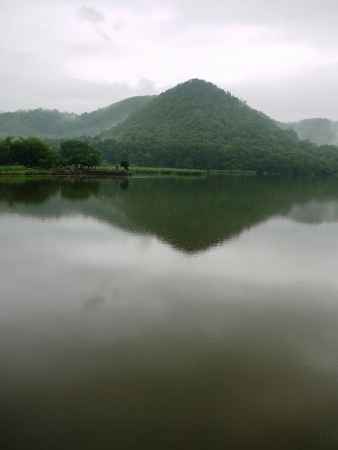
(169, 314)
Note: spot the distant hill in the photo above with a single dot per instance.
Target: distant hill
(198, 125)
(319, 131)
(193, 125)
(55, 124)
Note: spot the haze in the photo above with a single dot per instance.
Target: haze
(279, 56)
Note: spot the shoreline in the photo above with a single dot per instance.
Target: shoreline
(65, 173)
(100, 172)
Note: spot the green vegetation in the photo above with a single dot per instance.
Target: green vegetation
(16, 169)
(29, 152)
(199, 126)
(194, 126)
(79, 154)
(55, 124)
(19, 154)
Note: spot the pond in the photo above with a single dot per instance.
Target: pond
(169, 313)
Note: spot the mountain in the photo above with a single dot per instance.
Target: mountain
(195, 111)
(55, 124)
(319, 131)
(193, 125)
(198, 125)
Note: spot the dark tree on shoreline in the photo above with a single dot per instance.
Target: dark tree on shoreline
(28, 152)
(79, 154)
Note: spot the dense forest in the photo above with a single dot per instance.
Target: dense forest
(35, 153)
(195, 125)
(198, 125)
(55, 124)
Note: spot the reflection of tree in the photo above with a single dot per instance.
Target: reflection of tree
(29, 192)
(80, 190)
(124, 184)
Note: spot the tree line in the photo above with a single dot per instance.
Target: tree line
(35, 153)
(281, 157)
(286, 156)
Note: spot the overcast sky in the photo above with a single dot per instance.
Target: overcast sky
(279, 55)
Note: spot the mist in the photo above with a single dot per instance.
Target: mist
(280, 59)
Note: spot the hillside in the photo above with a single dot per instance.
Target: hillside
(319, 131)
(198, 125)
(195, 111)
(55, 124)
(193, 125)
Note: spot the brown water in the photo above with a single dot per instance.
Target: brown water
(169, 314)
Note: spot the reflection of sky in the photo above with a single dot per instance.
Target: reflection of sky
(59, 263)
(253, 320)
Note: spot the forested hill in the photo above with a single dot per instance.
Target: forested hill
(193, 125)
(55, 124)
(319, 131)
(198, 125)
(194, 112)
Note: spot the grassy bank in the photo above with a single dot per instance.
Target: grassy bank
(111, 171)
(22, 170)
(8, 171)
(98, 171)
(12, 169)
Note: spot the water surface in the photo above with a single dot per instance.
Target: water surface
(169, 314)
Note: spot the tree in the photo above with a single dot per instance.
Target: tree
(5, 152)
(79, 154)
(29, 152)
(125, 165)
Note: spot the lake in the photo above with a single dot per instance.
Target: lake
(169, 313)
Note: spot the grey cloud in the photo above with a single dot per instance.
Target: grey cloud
(103, 34)
(67, 94)
(118, 25)
(96, 18)
(310, 20)
(261, 11)
(36, 84)
(303, 13)
(91, 15)
(44, 74)
(310, 94)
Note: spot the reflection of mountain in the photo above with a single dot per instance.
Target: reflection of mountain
(191, 215)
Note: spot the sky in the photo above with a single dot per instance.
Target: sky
(281, 56)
